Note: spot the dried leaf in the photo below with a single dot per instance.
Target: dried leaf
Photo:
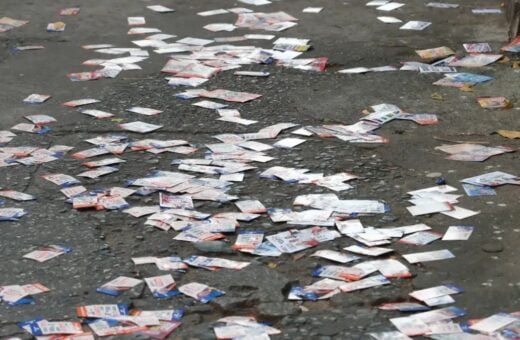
(509, 134)
(466, 88)
(437, 96)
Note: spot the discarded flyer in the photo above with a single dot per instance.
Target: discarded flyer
(36, 98)
(46, 253)
(160, 9)
(248, 240)
(476, 190)
(494, 102)
(200, 292)
(429, 256)
(415, 25)
(119, 285)
(140, 127)
(162, 286)
(335, 256)
(251, 206)
(458, 233)
(16, 195)
(213, 263)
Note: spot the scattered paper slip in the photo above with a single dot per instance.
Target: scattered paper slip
(389, 20)
(429, 256)
(458, 233)
(312, 10)
(160, 9)
(415, 25)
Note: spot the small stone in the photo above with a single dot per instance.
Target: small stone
(213, 247)
(440, 180)
(332, 328)
(200, 309)
(389, 218)
(277, 309)
(493, 247)
(300, 319)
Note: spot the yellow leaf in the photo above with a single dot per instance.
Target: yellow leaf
(466, 88)
(504, 60)
(509, 134)
(437, 96)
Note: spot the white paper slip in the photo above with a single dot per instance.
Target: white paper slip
(458, 233)
(144, 111)
(368, 282)
(410, 326)
(251, 73)
(160, 9)
(492, 179)
(228, 112)
(255, 2)
(372, 234)
(438, 301)
(288, 143)
(251, 206)
(437, 315)
(355, 70)
(193, 82)
(219, 27)
(136, 21)
(238, 120)
(373, 251)
(441, 5)
(392, 335)
(239, 177)
(140, 127)
(335, 256)
(350, 227)
(429, 256)
(435, 292)
(415, 25)
(444, 189)
(312, 9)
(493, 323)
(408, 229)
(238, 10)
(213, 12)
(390, 6)
(444, 328)
(302, 132)
(73, 191)
(160, 36)
(486, 11)
(143, 30)
(460, 213)
(430, 208)
(389, 20)
(421, 238)
(208, 104)
(101, 171)
(259, 36)
(195, 41)
(255, 146)
(377, 3)
(36, 98)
